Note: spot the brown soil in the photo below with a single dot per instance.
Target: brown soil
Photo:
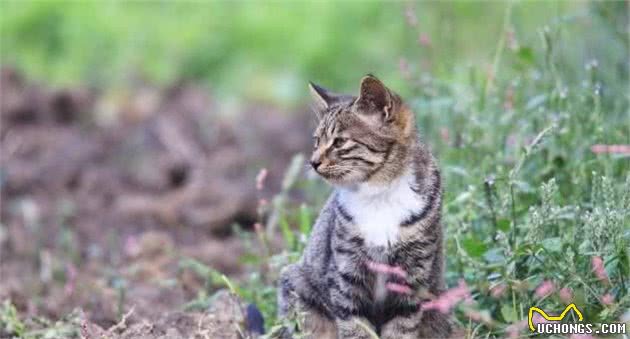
(104, 193)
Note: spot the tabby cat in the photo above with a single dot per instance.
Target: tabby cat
(385, 210)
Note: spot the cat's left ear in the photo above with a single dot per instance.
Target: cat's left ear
(322, 97)
(375, 98)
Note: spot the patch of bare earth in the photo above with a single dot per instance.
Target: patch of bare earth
(104, 193)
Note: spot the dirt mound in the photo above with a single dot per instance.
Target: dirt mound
(226, 318)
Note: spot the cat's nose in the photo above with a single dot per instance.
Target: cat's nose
(315, 163)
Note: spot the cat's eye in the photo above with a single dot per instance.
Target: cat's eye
(315, 142)
(338, 142)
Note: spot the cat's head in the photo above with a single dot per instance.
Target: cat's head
(362, 138)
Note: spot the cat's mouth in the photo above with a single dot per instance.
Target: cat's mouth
(331, 174)
(333, 178)
(338, 176)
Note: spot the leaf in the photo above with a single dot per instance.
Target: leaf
(250, 258)
(503, 224)
(462, 197)
(212, 276)
(287, 233)
(552, 244)
(228, 283)
(535, 101)
(508, 313)
(623, 263)
(494, 255)
(523, 186)
(292, 172)
(526, 55)
(305, 220)
(579, 299)
(458, 170)
(474, 247)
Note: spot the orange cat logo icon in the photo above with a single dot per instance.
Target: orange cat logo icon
(533, 309)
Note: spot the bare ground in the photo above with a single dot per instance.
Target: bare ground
(103, 194)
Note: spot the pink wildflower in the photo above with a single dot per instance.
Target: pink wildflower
(599, 270)
(581, 336)
(537, 318)
(71, 279)
(399, 288)
(386, 269)
(607, 299)
(515, 328)
(498, 291)
(132, 246)
(258, 227)
(445, 302)
(477, 316)
(444, 134)
(424, 40)
(611, 149)
(260, 179)
(544, 289)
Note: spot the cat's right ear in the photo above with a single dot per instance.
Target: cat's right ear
(322, 97)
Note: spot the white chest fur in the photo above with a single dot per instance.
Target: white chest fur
(378, 211)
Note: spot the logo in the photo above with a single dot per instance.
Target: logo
(547, 317)
(552, 325)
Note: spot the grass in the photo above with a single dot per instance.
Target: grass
(528, 203)
(265, 51)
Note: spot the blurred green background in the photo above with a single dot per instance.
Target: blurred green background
(269, 50)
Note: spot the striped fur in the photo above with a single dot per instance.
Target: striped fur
(385, 209)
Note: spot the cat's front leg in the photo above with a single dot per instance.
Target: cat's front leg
(421, 324)
(355, 328)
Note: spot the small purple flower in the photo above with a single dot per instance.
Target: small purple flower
(544, 289)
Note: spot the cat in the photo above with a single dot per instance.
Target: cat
(385, 209)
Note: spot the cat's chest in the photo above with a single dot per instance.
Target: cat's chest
(377, 217)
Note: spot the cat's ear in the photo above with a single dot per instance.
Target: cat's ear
(375, 98)
(322, 97)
